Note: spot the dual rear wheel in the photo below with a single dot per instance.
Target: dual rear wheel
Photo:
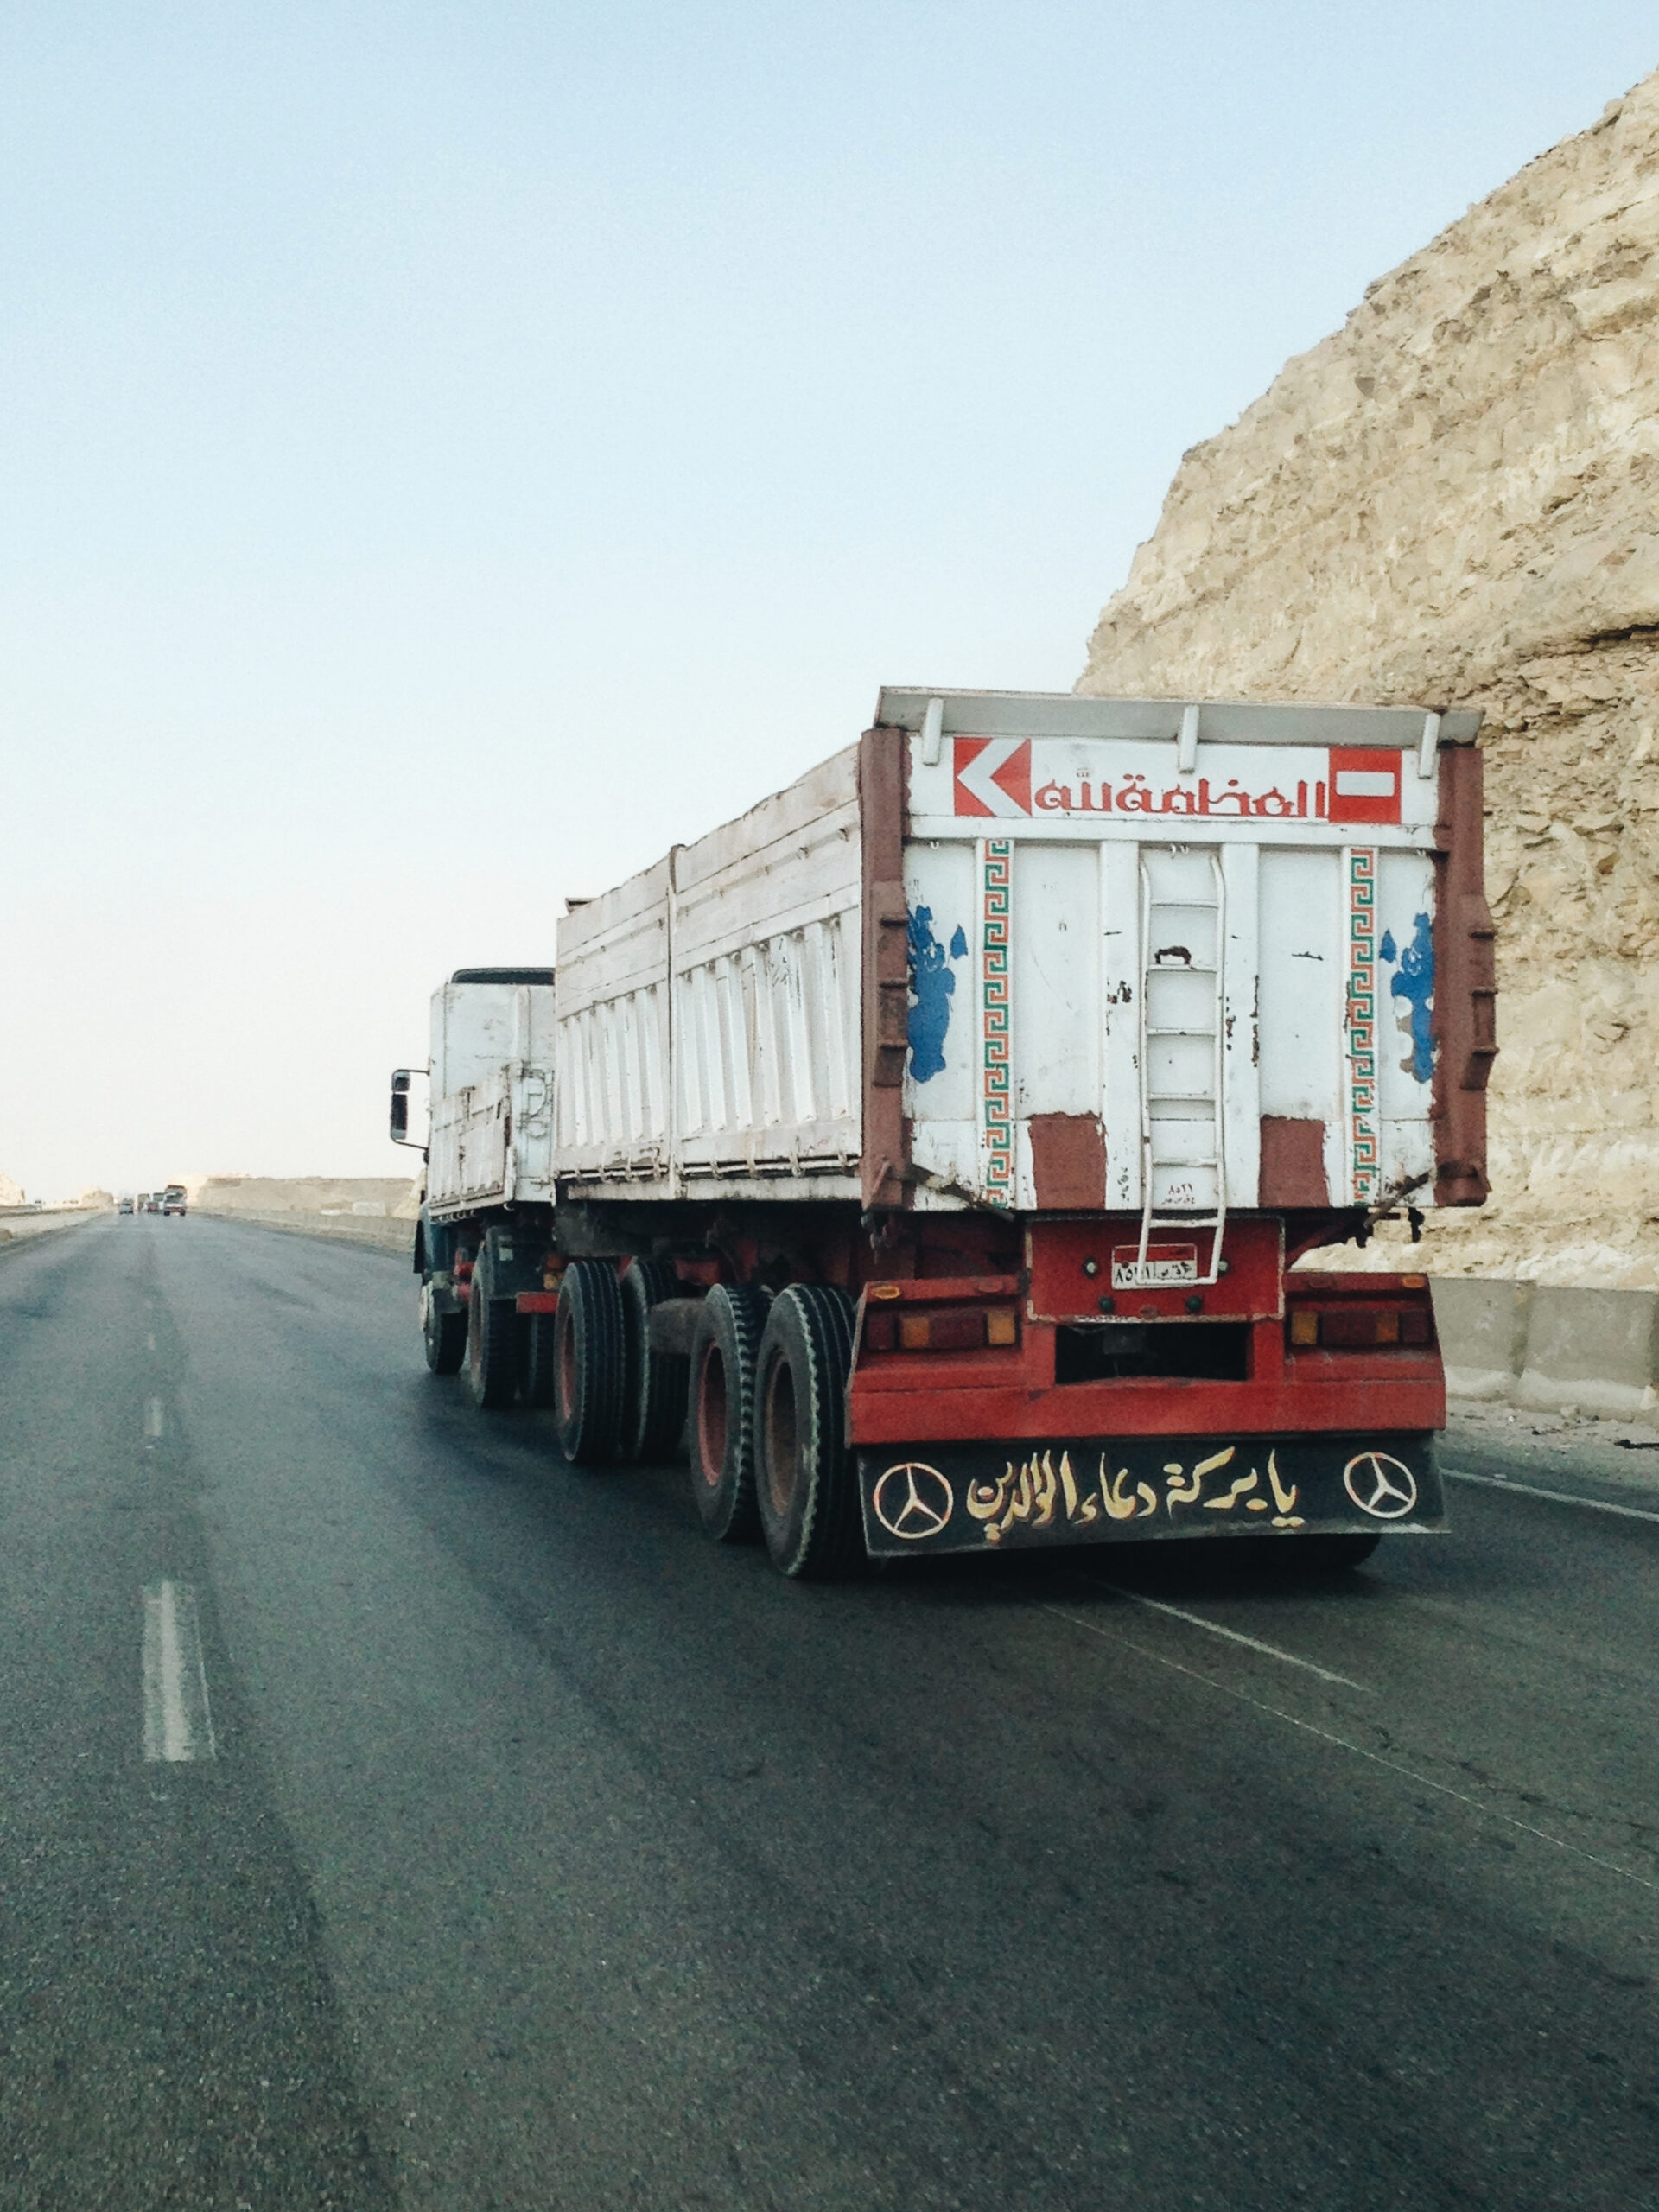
(654, 1382)
(443, 1332)
(767, 1389)
(615, 1395)
(766, 1381)
(495, 1340)
(769, 1452)
(725, 1353)
(806, 1486)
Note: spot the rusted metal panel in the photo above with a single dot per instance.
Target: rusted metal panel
(1292, 1162)
(886, 969)
(1465, 1002)
(1068, 1161)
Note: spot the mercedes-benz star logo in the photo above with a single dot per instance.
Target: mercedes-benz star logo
(913, 1500)
(1385, 1488)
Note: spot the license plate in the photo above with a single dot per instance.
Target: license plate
(1164, 1264)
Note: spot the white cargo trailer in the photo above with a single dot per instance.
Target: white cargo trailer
(948, 1124)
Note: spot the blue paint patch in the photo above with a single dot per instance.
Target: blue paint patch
(959, 945)
(932, 986)
(1388, 950)
(1415, 983)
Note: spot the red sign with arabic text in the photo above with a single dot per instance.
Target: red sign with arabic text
(1032, 779)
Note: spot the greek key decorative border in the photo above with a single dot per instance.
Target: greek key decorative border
(996, 1093)
(1363, 1129)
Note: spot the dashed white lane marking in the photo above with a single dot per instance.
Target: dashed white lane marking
(1329, 1736)
(1232, 1634)
(178, 1722)
(1555, 1496)
(153, 1417)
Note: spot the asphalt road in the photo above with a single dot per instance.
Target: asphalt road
(537, 1854)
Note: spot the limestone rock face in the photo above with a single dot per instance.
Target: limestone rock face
(1452, 501)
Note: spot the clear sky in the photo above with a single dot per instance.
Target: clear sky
(449, 452)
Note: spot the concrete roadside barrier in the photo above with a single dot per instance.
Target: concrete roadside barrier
(1598, 1349)
(18, 1227)
(1533, 1344)
(1483, 1331)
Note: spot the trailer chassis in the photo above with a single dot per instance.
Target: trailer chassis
(883, 1386)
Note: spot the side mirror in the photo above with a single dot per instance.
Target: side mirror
(401, 1079)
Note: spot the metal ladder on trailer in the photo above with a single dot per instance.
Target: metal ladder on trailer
(1166, 962)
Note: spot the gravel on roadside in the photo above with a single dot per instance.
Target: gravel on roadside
(1621, 1452)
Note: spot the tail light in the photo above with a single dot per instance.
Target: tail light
(1359, 1328)
(941, 1328)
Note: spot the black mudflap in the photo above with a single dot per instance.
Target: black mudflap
(962, 1497)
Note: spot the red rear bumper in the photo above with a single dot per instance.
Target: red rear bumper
(951, 1409)
(967, 1396)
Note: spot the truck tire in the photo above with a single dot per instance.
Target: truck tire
(444, 1334)
(540, 1336)
(724, 1350)
(494, 1349)
(806, 1486)
(654, 1394)
(589, 1364)
(1286, 1560)
(1330, 1554)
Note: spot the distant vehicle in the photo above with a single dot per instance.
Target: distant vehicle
(126, 1205)
(173, 1199)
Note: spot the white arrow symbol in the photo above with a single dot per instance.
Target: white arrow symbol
(978, 776)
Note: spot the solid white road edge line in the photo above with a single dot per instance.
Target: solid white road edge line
(1232, 1634)
(153, 1417)
(1328, 1736)
(1555, 1496)
(178, 1723)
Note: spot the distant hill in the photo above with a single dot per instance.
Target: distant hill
(394, 1196)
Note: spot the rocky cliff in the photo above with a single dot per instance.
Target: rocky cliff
(1452, 501)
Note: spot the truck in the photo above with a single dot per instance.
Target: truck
(927, 1153)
